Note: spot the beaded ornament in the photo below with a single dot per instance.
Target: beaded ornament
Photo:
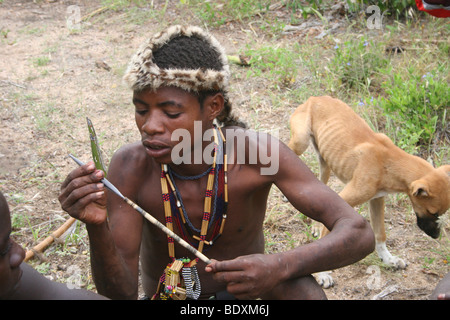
(180, 279)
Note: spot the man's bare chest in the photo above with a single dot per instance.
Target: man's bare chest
(245, 208)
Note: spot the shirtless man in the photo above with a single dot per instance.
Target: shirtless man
(179, 79)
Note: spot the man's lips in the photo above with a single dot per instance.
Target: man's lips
(156, 148)
(155, 145)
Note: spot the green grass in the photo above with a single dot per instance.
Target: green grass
(41, 61)
(216, 13)
(276, 63)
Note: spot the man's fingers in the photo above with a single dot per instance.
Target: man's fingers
(226, 266)
(238, 284)
(227, 271)
(231, 277)
(80, 171)
(82, 175)
(81, 187)
(83, 195)
(77, 180)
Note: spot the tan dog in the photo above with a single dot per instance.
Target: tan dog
(371, 166)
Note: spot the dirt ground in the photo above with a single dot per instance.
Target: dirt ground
(54, 75)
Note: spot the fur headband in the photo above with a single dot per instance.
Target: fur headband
(143, 73)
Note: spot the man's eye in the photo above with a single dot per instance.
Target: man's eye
(141, 112)
(173, 115)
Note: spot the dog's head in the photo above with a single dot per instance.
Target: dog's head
(430, 197)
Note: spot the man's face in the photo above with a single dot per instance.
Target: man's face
(11, 254)
(159, 113)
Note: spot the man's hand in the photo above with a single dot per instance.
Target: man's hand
(248, 277)
(83, 195)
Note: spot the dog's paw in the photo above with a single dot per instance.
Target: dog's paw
(324, 279)
(316, 229)
(395, 262)
(388, 258)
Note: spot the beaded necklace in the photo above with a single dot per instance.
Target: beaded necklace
(180, 279)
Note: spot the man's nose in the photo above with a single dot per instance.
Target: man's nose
(153, 124)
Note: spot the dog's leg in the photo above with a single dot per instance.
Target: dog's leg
(376, 208)
(325, 278)
(325, 171)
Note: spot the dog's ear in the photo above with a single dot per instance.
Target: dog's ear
(419, 189)
(446, 169)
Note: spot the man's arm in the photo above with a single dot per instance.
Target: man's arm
(350, 239)
(114, 228)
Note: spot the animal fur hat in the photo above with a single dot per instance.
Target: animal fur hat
(143, 73)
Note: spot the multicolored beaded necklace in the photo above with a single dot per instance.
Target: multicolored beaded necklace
(180, 279)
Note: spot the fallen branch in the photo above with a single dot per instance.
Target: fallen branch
(38, 249)
(239, 60)
(389, 290)
(96, 12)
(14, 84)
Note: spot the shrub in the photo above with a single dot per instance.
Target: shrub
(394, 8)
(416, 106)
(355, 62)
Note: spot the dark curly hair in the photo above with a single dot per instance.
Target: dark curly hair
(195, 53)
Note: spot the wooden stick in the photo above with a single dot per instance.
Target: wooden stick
(47, 241)
(166, 230)
(150, 218)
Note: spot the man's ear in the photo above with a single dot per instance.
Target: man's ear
(214, 104)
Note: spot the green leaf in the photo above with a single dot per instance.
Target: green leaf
(96, 153)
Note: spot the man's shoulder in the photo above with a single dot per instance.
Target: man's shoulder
(130, 158)
(237, 134)
(130, 151)
(130, 147)
(260, 150)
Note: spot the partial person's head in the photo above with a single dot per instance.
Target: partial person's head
(11, 254)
